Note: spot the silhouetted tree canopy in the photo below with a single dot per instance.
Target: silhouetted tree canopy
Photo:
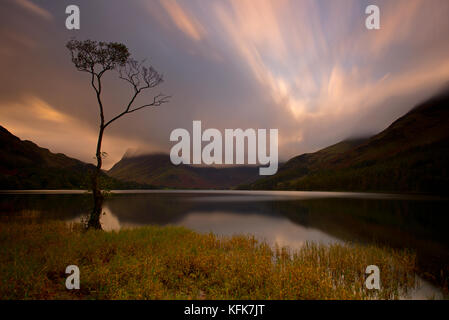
(91, 55)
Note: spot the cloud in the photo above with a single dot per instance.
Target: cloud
(35, 109)
(43, 110)
(35, 9)
(183, 20)
(307, 67)
(398, 20)
(10, 37)
(51, 128)
(322, 67)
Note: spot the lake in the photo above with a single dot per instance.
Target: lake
(277, 217)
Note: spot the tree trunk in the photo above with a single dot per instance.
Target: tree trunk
(94, 220)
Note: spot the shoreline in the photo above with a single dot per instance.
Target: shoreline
(176, 263)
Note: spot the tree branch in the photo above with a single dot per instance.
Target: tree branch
(158, 100)
(140, 78)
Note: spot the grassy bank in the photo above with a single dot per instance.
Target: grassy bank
(175, 263)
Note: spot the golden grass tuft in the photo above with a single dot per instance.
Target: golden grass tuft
(175, 263)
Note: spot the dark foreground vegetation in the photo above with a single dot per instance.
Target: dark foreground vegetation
(175, 263)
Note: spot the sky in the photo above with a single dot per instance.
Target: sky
(309, 68)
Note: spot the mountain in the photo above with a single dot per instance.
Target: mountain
(411, 155)
(25, 165)
(157, 169)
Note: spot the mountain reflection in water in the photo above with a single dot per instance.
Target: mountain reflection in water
(286, 218)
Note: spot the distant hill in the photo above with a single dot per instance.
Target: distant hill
(25, 165)
(157, 169)
(411, 155)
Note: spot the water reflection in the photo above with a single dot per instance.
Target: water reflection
(286, 218)
(272, 230)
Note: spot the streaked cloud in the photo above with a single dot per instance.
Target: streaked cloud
(184, 21)
(35, 9)
(307, 67)
(333, 70)
(35, 108)
(60, 131)
(43, 110)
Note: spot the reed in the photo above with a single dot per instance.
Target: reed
(176, 263)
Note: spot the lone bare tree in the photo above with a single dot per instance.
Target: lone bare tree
(97, 58)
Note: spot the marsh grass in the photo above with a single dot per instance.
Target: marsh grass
(175, 263)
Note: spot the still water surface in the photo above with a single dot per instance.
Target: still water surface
(283, 218)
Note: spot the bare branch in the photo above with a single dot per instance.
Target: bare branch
(96, 58)
(140, 77)
(158, 100)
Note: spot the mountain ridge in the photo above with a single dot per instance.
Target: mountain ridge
(25, 165)
(157, 169)
(410, 155)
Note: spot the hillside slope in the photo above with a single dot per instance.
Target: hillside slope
(25, 165)
(156, 169)
(411, 155)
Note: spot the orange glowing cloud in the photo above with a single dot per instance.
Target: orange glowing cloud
(307, 67)
(183, 20)
(45, 125)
